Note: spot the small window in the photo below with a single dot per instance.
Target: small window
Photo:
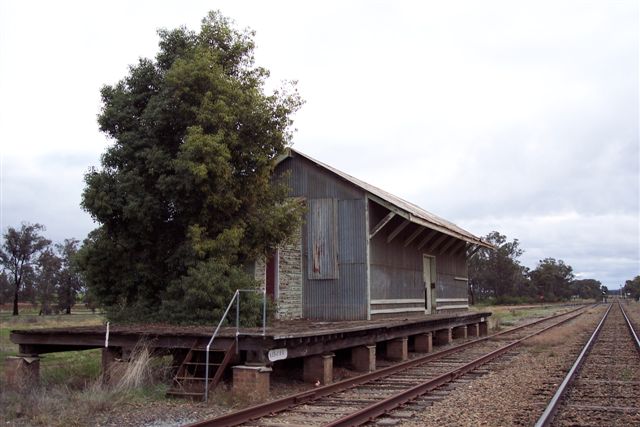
(323, 239)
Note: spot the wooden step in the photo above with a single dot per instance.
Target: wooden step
(190, 386)
(189, 394)
(201, 364)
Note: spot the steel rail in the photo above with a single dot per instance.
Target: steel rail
(282, 404)
(380, 408)
(550, 411)
(630, 326)
(279, 405)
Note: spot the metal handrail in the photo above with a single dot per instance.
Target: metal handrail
(236, 298)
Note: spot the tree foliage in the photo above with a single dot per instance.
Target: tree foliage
(632, 288)
(48, 275)
(69, 280)
(553, 279)
(184, 196)
(5, 287)
(586, 288)
(497, 273)
(17, 253)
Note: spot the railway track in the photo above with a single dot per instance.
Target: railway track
(603, 385)
(360, 399)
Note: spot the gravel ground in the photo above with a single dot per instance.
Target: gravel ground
(178, 412)
(515, 392)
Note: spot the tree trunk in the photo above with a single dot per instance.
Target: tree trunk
(15, 300)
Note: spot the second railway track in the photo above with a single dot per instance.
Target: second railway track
(603, 386)
(360, 399)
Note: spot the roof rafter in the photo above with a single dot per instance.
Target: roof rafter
(397, 230)
(447, 245)
(436, 243)
(384, 221)
(413, 236)
(456, 248)
(427, 238)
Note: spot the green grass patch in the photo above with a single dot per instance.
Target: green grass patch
(72, 368)
(507, 316)
(81, 361)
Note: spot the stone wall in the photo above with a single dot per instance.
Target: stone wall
(290, 275)
(289, 293)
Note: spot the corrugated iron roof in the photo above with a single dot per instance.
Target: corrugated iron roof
(412, 212)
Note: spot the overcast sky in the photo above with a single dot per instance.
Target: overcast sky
(520, 117)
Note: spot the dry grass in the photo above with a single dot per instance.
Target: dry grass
(67, 404)
(559, 336)
(138, 370)
(506, 316)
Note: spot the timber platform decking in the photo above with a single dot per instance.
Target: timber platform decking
(300, 337)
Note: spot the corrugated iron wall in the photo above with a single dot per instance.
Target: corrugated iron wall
(308, 180)
(344, 297)
(322, 250)
(396, 270)
(448, 268)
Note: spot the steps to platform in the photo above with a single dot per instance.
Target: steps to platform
(191, 379)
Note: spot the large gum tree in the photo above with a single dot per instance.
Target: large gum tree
(184, 196)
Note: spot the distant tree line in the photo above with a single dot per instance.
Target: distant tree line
(632, 288)
(497, 276)
(34, 270)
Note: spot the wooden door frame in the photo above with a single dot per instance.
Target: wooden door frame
(429, 291)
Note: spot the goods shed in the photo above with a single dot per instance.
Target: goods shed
(363, 253)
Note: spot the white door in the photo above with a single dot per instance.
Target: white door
(426, 277)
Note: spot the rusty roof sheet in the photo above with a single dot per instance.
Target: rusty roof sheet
(414, 213)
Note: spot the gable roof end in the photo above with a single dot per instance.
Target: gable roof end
(408, 210)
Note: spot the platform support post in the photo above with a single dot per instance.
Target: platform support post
(484, 328)
(473, 330)
(423, 343)
(444, 337)
(459, 332)
(318, 369)
(251, 382)
(21, 372)
(109, 363)
(397, 349)
(363, 358)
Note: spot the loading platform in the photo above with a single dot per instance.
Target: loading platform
(257, 351)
